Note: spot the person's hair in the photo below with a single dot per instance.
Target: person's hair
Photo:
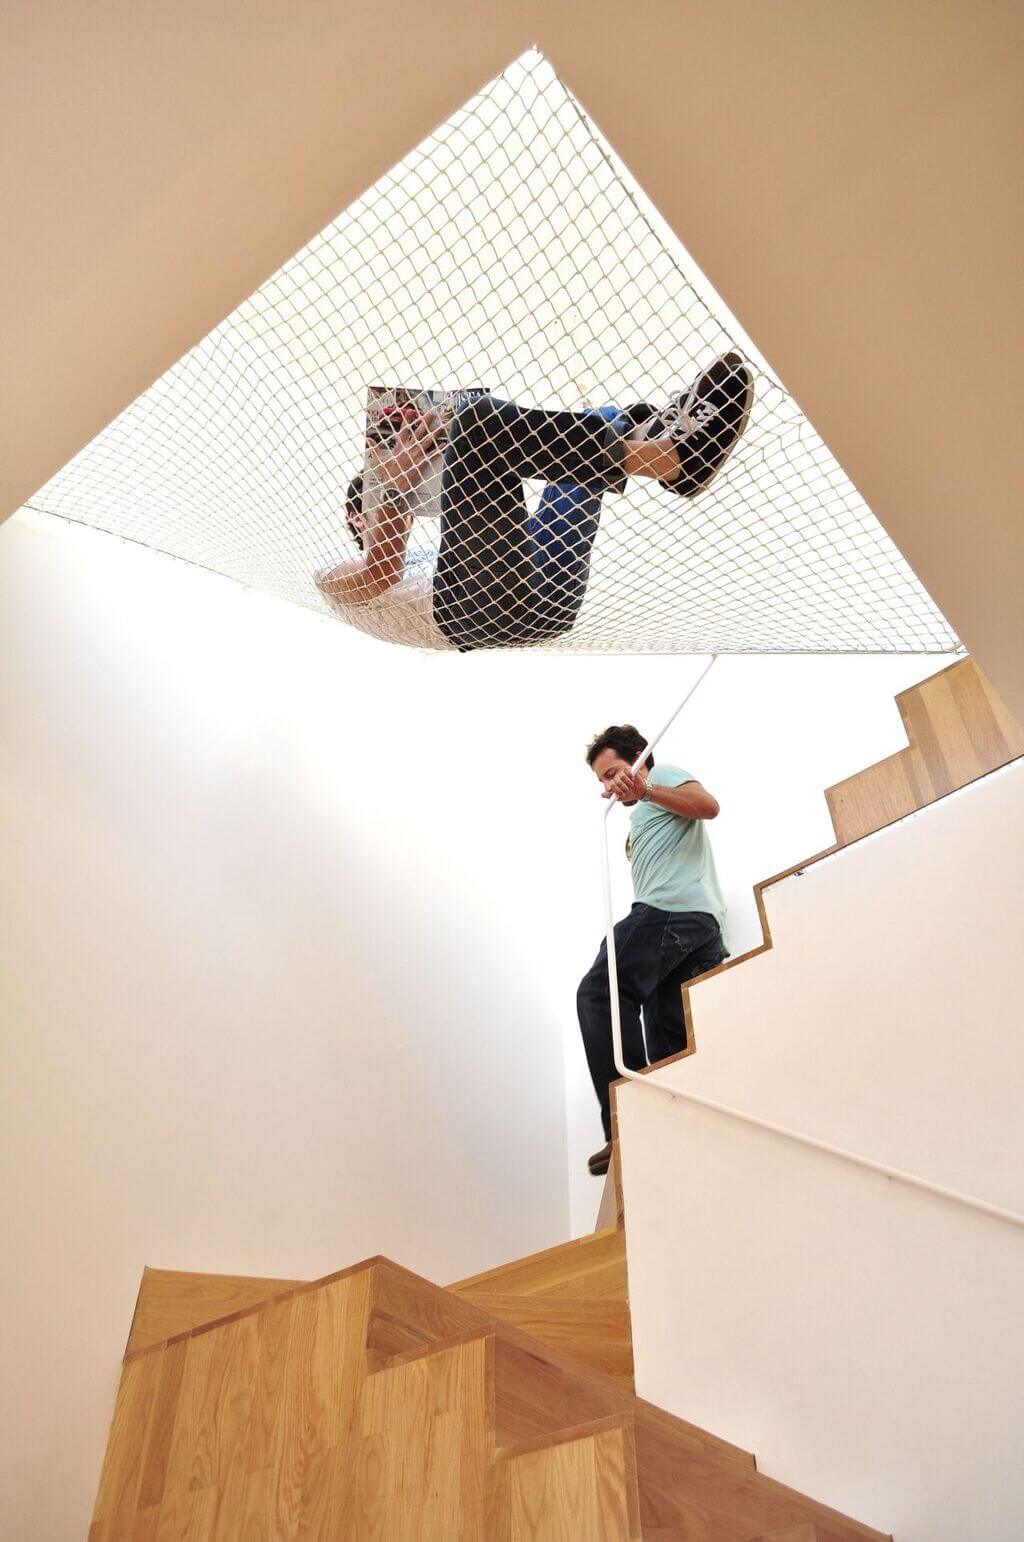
(354, 505)
(624, 739)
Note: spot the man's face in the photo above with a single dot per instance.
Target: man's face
(607, 764)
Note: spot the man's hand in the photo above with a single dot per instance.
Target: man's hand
(402, 465)
(627, 786)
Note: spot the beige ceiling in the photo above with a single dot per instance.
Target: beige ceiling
(847, 175)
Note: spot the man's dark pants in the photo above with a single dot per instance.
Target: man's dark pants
(655, 951)
(502, 578)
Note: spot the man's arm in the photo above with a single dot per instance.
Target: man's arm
(690, 800)
(354, 583)
(398, 469)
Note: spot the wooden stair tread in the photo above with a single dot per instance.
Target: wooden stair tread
(594, 1265)
(604, 1313)
(171, 1301)
(596, 1333)
(573, 1296)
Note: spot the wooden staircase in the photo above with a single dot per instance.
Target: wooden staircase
(573, 1297)
(374, 1405)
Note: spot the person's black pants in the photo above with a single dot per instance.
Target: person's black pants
(497, 581)
(655, 951)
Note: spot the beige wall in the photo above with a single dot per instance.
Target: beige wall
(846, 175)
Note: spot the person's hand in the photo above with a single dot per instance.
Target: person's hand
(627, 786)
(402, 465)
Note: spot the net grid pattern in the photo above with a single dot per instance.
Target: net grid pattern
(511, 250)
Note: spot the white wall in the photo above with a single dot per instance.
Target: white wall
(862, 1337)
(293, 923)
(255, 1020)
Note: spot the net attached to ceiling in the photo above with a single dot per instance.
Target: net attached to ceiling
(508, 264)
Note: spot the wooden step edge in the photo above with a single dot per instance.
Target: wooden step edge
(436, 1347)
(746, 1497)
(672, 1425)
(591, 1331)
(581, 1309)
(174, 1300)
(831, 1522)
(598, 1287)
(257, 1306)
(135, 1314)
(595, 1333)
(801, 1533)
(562, 1437)
(576, 1244)
(793, 1507)
(807, 1531)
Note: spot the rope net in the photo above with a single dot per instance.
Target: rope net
(364, 435)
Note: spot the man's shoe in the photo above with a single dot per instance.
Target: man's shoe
(708, 421)
(598, 1163)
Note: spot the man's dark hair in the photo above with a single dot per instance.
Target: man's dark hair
(354, 505)
(624, 739)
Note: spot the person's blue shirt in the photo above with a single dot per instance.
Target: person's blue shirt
(671, 858)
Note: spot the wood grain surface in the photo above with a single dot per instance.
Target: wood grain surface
(958, 730)
(172, 1301)
(573, 1296)
(374, 1405)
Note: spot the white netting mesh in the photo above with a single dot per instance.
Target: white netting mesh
(510, 250)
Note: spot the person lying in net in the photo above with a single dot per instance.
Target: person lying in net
(502, 578)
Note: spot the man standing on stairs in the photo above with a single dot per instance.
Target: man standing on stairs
(673, 931)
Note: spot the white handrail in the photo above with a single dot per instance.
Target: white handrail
(650, 1079)
(896, 1173)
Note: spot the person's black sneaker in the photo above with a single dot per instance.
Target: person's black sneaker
(598, 1163)
(707, 422)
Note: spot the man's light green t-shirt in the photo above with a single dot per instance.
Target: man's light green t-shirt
(673, 868)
